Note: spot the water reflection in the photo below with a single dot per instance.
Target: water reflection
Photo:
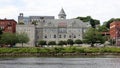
(59, 62)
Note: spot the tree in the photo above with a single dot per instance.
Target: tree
(103, 28)
(8, 39)
(107, 23)
(92, 36)
(92, 21)
(41, 42)
(1, 31)
(84, 19)
(70, 42)
(51, 43)
(78, 41)
(22, 38)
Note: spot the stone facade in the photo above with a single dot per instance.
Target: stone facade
(30, 31)
(60, 29)
(51, 29)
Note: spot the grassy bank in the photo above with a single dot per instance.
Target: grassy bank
(58, 51)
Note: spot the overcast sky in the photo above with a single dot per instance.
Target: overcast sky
(102, 10)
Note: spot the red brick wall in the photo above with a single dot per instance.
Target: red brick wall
(8, 25)
(115, 31)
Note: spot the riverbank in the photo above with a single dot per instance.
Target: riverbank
(59, 51)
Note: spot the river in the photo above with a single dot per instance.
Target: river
(43, 62)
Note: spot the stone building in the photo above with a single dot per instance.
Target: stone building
(28, 20)
(51, 29)
(30, 31)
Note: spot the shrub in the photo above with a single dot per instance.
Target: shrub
(70, 42)
(41, 42)
(78, 41)
(51, 43)
(62, 43)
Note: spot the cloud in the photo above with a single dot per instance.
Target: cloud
(8, 12)
(98, 9)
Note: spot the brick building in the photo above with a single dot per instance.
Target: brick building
(115, 31)
(8, 25)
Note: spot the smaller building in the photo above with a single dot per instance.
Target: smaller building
(8, 25)
(30, 31)
(28, 20)
(115, 31)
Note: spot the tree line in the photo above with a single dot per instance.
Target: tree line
(11, 39)
(93, 22)
(61, 42)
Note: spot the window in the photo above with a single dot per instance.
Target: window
(45, 36)
(59, 36)
(54, 36)
(64, 36)
(62, 30)
(70, 36)
(9, 28)
(74, 36)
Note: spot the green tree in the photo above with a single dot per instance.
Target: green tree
(92, 36)
(92, 21)
(8, 39)
(51, 43)
(22, 38)
(103, 28)
(84, 19)
(107, 23)
(42, 42)
(70, 42)
(78, 41)
(1, 31)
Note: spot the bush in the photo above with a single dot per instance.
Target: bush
(41, 42)
(70, 42)
(62, 43)
(78, 41)
(51, 43)
(92, 50)
(61, 50)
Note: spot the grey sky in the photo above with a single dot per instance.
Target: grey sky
(98, 9)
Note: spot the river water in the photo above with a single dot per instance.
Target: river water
(35, 62)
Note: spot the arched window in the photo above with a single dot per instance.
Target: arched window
(59, 36)
(64, 36)
(74, 36)
(70, 36)
(45, 36)
(54, 36)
